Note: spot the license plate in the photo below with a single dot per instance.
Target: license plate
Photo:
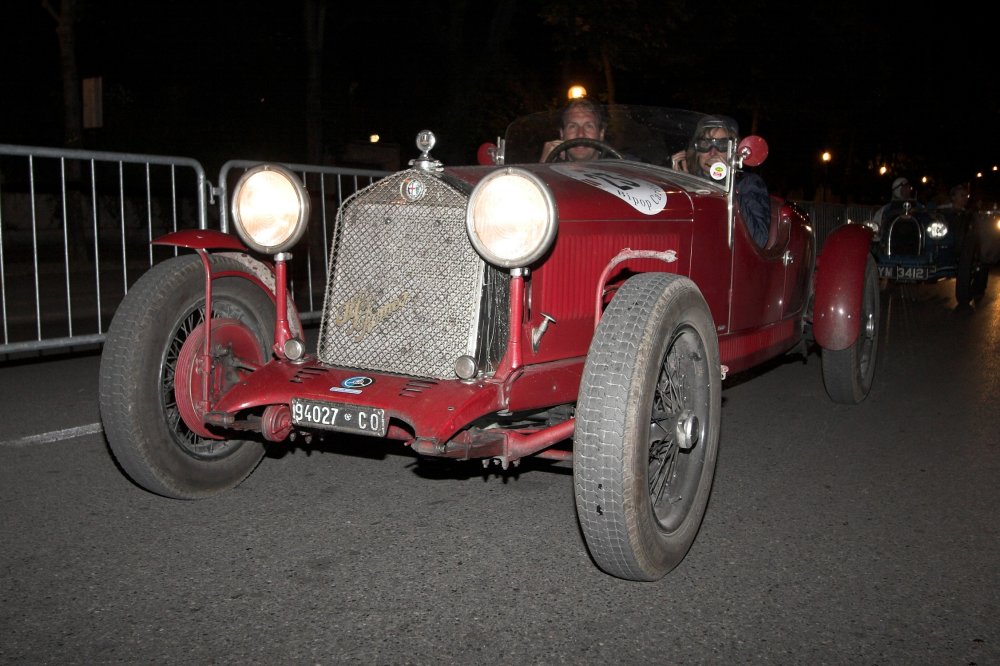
(906, 272)
(338, 416)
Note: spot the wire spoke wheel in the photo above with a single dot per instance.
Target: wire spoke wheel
(152, 384)
(647, 427)
(675, 430)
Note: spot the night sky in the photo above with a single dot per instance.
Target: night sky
(218, 80)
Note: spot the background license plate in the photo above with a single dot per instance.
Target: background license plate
(338, 416)
(912, 272)
(905, 272)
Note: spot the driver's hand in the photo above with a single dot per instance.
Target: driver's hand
(547, 149)
(678, 160)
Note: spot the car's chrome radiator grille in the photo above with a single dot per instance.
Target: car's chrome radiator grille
(407, 293)
(905, 237)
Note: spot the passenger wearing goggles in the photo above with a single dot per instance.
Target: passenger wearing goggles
(709, 145)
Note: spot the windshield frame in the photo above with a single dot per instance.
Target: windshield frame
(645, 134)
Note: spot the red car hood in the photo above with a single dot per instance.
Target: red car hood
(609, 189)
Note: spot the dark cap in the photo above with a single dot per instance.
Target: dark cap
(712, 122)
(897, 187)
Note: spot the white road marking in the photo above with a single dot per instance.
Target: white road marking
(54, 436)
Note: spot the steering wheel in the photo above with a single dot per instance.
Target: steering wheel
(603, 149)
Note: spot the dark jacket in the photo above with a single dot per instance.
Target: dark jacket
(755, 206)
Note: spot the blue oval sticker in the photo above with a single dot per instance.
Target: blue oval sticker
(357, 382)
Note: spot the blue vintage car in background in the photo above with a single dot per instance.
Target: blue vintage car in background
(912, 244)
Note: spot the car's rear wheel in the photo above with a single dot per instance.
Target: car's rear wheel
(151, 389)
(848, 373)
(972, 276)
(647, 427)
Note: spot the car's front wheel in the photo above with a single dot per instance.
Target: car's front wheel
(152, 381)
(647, 427)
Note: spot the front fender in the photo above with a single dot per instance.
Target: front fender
(206, 239)
(201, 239)
(840, 280)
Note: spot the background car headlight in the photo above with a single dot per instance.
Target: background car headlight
(937, 229)
(511, 218)
(875, 227)
(270, 208)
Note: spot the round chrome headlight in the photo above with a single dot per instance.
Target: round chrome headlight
(270, 208)
(937, 229)
(511, 218)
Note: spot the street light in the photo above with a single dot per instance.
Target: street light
(825, 157)
(576, 92)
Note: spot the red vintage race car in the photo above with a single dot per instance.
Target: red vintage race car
(570, 310)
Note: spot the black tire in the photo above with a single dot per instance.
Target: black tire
(848, 373)
(604, 149)
(972, 276)
(139, 409)
(980, 280)
(647, 427)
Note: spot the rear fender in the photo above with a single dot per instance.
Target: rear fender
(840, 279)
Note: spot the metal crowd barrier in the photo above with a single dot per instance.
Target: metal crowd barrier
(76, 226)
(327, 188)
(74, 233)
(826, 217)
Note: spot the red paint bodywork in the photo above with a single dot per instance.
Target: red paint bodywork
(758, 298)
(840, 275)
(202, 239)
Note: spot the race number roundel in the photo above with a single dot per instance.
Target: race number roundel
(646, 197)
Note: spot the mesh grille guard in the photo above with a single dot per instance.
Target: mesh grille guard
(407, 294)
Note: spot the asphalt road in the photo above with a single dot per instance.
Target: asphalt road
(835, 535)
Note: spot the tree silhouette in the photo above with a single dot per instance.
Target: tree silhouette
(611, 38)
(65, 16)
(314, 26)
